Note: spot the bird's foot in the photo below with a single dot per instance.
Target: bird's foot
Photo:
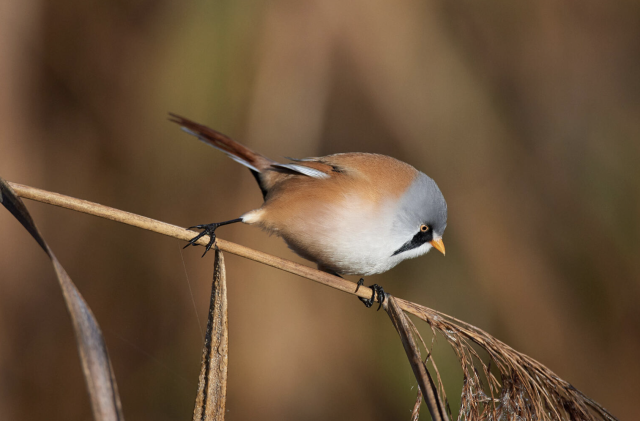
(210, 230)
(376, 290)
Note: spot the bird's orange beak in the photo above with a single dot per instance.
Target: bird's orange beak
(438, 245)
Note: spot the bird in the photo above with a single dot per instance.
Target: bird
(349, 213)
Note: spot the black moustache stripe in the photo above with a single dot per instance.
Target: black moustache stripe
(419, 239)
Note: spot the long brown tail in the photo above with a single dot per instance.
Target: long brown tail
(233, 149)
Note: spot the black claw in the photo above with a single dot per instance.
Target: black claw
(210, 230)
(381, 296)
(212, 240)
(376, 290)
(192, 242)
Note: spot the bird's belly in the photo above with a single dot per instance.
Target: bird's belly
(349, 239)
(357, 259)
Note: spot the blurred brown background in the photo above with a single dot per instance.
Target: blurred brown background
(527, 114)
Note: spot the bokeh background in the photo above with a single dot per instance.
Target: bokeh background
(527, 114)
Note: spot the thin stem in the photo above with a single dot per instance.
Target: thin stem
(149, 224)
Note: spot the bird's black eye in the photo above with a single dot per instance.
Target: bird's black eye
(424, 228)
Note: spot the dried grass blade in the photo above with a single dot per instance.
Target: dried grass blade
(415, 413)
(96, 366)
(212, 384)
(428, 388)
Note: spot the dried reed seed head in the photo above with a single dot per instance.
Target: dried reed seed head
(527, 390)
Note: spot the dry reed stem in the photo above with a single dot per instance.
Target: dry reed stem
(429, 391)
(442, 393)
(527, 390)
(212, 383)
(149, 224)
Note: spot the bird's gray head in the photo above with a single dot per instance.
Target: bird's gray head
(421, 218)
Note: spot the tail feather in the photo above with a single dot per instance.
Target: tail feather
(233, 149)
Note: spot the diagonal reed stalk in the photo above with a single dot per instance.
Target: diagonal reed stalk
(526, 389)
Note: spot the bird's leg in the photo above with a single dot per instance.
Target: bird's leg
(376, 289)
(210, 230)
